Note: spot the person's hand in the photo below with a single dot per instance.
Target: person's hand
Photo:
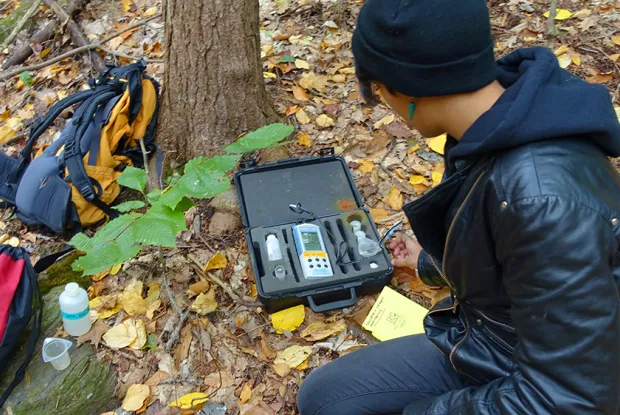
(405, 251)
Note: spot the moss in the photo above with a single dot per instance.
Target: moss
(61, 273)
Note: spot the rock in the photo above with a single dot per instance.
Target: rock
(227, 202)
(85, 387)
(269, 155)
(224, 222)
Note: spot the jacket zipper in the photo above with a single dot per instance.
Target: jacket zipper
(501, 342)
(499, 323)
(455, 300)
(445, 255)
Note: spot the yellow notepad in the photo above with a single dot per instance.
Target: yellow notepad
(394, 315)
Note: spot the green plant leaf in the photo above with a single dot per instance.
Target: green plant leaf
(172, 196)
(81, 242)
(151, 342)
(159, 226)
(133, 178)
(153, 196)
(26, 78)
(129, 205)
(286, 59)
(185, 204)
(104, 257)
(221, 164)
(262, 138)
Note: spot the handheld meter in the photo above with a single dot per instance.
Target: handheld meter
(311, 250)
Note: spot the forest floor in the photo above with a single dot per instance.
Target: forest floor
(234, 355)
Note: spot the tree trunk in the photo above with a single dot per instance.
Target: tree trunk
(213, 83)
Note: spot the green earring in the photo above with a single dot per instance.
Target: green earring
(411, 110)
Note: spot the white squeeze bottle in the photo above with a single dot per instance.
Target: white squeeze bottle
(74, 310)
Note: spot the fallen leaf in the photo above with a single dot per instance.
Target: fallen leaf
(282, 369)
(269, 75)
(583, 13)
(324, 120)
(157, 377)
(119, 336)
(288, 319)
(151, 11)
(246, 393)
(310, 80)
(14, 242)
(438, 173)
(218, 261)
(6, 114)
(600, 78)
(133, 303)
(205, 303)
(588, 23)
(301, 64)
(198, 287)
(614, 57)
(135, 397)
(115, 269)
(576, 59)
(253, 292)
(136, 326)
(154, 293)
(388, 119)
(616, 39)
(95, 333)
(291, 110)
(564, 60)
(9, 129)
(293, 356)
(104, 306)
(365, 166)
(300, 93)
(617, 109)
(320, 330)
(417, 179)
(182, 350)
(304, 139)
(101, 275)
(266, 350)
(192, 400)
(395, 199)
(437, 144)
(4, 238)
(561, 14)
(561, 50)
(151, 308)
(379, 214)
(302, 117)
(128, 5)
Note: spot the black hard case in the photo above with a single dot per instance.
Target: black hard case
(325, 186)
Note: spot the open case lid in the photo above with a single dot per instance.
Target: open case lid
(323, 185)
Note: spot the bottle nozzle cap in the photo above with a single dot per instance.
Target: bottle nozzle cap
(72, 289)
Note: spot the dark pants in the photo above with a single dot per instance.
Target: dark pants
(380, 379)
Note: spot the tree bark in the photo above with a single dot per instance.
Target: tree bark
(213, 83)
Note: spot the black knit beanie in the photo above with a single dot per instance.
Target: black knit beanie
(424, 48)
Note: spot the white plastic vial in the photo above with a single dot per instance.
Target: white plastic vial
(74, 310)
(274, 253)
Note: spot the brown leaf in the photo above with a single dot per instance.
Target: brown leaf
(304, 139)
(320, 330)
(282, 369)
(198, 287)
(205, 303)
(266, 350)
(302, 117)
(300, 93)
(135, 397)
(95, 333)
(246, 393)
(398, 129)
(182, 350)
(395, 199)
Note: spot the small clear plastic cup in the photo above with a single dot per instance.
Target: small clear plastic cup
(56, 352)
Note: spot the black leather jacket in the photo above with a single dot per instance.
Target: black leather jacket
(532, 257)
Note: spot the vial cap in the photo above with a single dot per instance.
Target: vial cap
(72, 289)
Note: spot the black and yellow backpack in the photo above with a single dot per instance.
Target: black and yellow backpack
(71, 183)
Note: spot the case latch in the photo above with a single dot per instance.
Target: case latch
(327, 152)
(248, 162)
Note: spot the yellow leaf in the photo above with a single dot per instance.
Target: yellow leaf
(205, 303)
(120, 336)
(253, 292)
(282, 369)
(347, 71)
(293, 356)
(246, 394)
(198, 287)
(103, 307)
(388, 119)
(218, 261)
(115, 269)
(438, 173)
(400, 174)
(101, 275)
(300, 93)
(302, 117)
(365, 165)
(132, 300)
(9, 129)
(151, 308)
(417, 179)
(576, 59)
(560, 14)
(379, 214)
(138, 327)
(6, 114)
(190, 401)
(395, 199)
(269, 75)
(437, 144)
(304, 139)
(154, 292)
(301, 64)
(127, 5)
(564, 60)
(13, 242)
(289, 319)
(44, 53)
(617, 109)
(310, 80)
(4, 238)
(616, 39)
(614, 57)
(561, 50)
(303, 365)
(151, 11)
(325, 121)
(320, 330)
(135, 397)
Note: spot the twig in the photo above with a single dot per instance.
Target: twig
(174, 336)
(552, 31)
(75, 32)
(31, 12)
(91, 46)
(219, 282)
(123, 55)
(591, 49)
(167, 284)
(174, 381)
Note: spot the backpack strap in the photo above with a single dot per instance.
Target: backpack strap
(35, 330)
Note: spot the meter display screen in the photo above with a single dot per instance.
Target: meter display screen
(311, 241)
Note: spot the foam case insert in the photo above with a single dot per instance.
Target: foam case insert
(324, 186)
